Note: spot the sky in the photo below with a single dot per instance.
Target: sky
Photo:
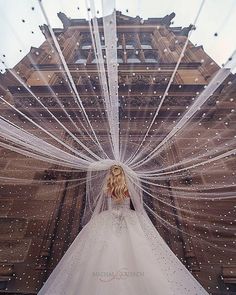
(20, 20)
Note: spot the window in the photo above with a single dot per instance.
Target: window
(133, 58)
(146, 46)
(86, 47)
(130, 42)
(86, 43)
(150, 57)
(146, 40)
(81, 61)
(120, 60)
(129, 46)
(119, 57)
(81, 58)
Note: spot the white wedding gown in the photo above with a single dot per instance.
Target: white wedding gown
(119, 252)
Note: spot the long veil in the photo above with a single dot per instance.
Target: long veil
(94, 94)
(179, 278)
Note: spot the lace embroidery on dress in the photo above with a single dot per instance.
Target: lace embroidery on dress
(120, 214)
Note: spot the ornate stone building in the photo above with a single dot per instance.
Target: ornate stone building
(40, 216)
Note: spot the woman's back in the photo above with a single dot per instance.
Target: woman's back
(119, 205)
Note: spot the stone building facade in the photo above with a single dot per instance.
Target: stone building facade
(40, 216)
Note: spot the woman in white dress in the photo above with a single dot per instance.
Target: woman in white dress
(119, 252)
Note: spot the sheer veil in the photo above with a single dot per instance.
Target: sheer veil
(96, 196)
(172, 132)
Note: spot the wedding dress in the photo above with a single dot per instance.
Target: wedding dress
(119, 252)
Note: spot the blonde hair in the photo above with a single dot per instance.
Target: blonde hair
(116, 184)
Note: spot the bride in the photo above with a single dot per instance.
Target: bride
(119, 251)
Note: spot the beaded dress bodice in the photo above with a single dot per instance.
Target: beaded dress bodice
(113, 204)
